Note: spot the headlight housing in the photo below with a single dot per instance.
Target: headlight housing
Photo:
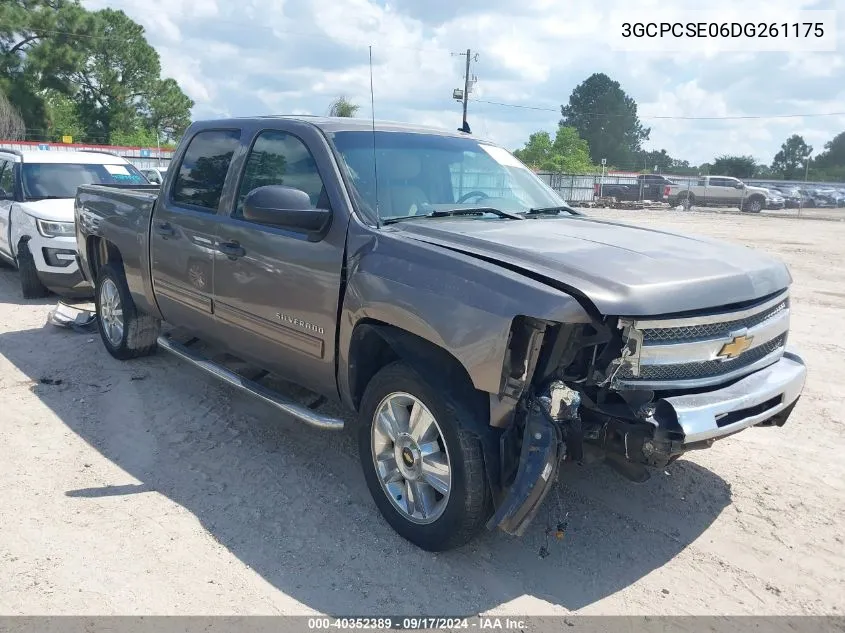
(48, 228)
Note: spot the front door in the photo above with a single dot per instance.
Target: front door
(723, 192)
(7, 193)
(276, 293)
(182, 236)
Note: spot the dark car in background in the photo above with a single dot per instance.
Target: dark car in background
(648, 187)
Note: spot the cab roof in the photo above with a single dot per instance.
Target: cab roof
(346, 124)
(49, 156)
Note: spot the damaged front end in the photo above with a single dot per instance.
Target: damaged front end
(642, 391)
(552, 424)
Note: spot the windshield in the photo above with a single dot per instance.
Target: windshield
(60, 180)
(422, 173)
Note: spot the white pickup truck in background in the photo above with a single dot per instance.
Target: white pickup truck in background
(724, 191)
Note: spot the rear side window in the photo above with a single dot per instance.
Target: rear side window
(202, 173)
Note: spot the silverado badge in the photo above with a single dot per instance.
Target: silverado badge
(736, 347)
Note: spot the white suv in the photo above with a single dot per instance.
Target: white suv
(37, 191)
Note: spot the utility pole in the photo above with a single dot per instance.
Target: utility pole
(464, 94)
(466, 91)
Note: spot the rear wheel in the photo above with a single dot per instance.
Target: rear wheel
(126, 333)
(31, 285)
(424, 470)
(687, 201)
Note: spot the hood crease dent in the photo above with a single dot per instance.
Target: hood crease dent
(621, 269)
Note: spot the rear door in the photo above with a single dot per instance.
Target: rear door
(182, 235)
(277, 296)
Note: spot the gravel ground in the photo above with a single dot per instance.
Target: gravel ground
(149, 488)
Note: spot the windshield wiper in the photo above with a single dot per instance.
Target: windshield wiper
(552, 211)
(443, 213)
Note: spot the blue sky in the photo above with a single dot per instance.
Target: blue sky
(295, 56)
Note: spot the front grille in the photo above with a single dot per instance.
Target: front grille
(711, 330)
(704, 369)
(674, 351)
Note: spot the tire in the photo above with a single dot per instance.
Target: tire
(31, 285)
(754, 205)
(453, 519)
(687, 201)
(138, 332)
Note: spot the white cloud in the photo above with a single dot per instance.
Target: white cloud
(285, 56)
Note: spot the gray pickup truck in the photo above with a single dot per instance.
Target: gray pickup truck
(482, 330)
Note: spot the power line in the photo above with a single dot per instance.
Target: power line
(244, 25)
(677, 118)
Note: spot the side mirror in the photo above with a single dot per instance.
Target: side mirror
(286, 208)
(740, 185)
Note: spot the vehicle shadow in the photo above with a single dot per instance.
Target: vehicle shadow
(291, 502)
(10, 290)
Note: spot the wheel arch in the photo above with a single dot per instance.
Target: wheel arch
(375, 344)
(99, 251)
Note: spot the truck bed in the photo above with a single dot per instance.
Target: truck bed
(124, 213)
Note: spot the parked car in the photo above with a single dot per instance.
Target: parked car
(37, 189)
(648, 187)
(723, 191)
(775, 199)
(154, 174)
(827, 198)
(791, 196)
(480, 339)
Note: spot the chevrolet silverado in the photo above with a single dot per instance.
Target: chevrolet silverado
(482, 330)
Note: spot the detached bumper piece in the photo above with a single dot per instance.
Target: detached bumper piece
(542, 451)
(80, 316)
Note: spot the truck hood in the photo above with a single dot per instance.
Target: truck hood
(60, 210)
(623, 270)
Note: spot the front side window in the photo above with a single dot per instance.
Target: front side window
(279, 158)
(202, 173)
(60, 180)
(421, 173)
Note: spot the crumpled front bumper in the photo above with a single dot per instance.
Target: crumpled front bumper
(678, 424)
(752, 400)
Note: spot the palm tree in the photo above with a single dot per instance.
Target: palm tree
(343, 107)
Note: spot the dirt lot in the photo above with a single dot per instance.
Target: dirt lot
(148, 488)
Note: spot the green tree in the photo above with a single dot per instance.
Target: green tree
(606, 117)
(342, 107)
(790, 161)
(120, 92)
(736, 166)
(833, 155)
(40, 44)
(567, 153)
(537, 152)
(62, 117)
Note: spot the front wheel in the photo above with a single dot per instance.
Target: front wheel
(31, 286)
(126, 333)
(424, 469)
(755, 205)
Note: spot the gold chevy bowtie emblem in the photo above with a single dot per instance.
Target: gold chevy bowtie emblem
(736, 347)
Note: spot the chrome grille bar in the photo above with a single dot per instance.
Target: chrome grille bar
(703, 350)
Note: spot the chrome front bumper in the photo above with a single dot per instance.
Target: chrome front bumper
(751, 400)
